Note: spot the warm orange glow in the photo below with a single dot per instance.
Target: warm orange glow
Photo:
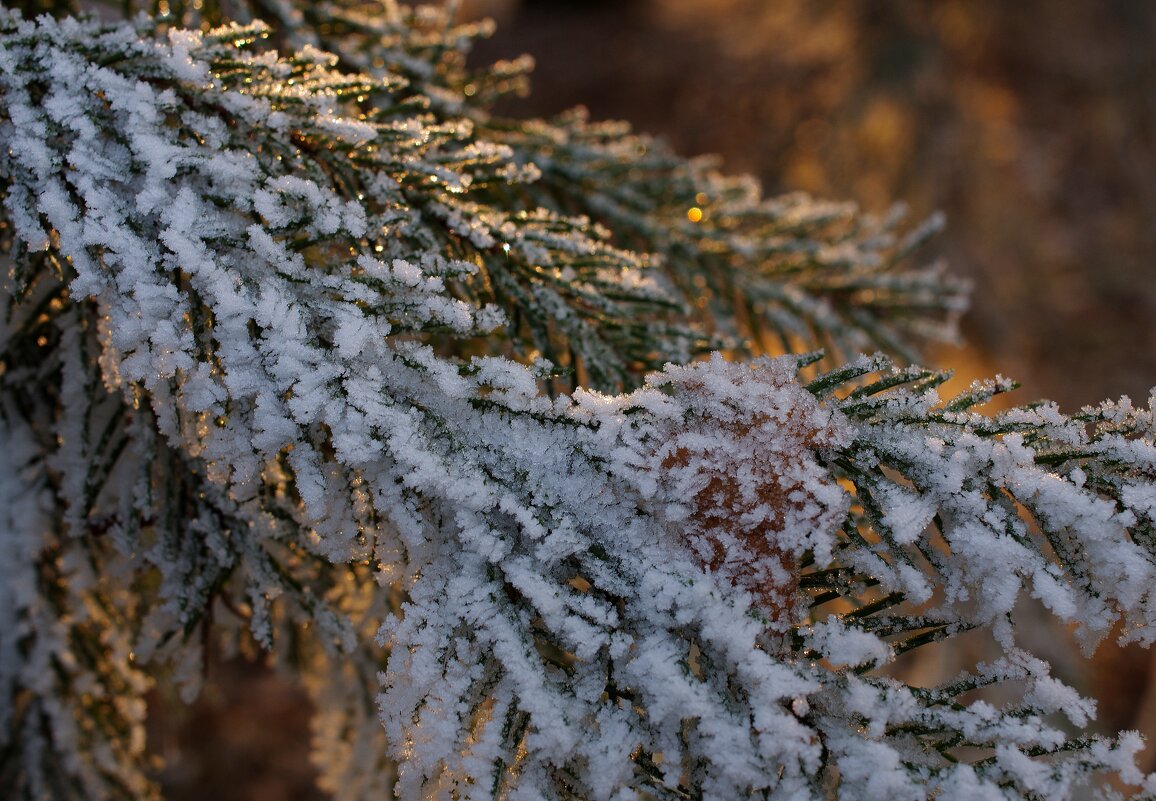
(694, 214)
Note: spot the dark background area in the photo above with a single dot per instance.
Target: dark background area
(1032, 125)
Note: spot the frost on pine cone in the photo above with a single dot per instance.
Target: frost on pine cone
(309, 349)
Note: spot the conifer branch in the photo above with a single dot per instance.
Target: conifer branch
(291, 339)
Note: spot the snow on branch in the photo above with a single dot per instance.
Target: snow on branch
(293, 351)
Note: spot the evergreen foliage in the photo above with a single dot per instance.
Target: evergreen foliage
(307, 346)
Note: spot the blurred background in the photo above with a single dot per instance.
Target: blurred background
(1032, 125)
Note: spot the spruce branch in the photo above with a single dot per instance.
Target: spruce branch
(291, 329)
